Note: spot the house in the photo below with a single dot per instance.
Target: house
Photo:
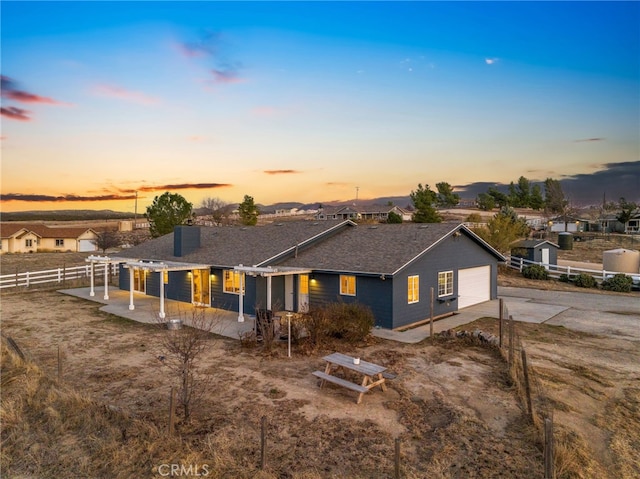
(297, 265)
(370, 213)
(31, 238)
(573, 225)
(536, 251)
(18, 239)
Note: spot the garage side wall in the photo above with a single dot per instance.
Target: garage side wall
(453, 254)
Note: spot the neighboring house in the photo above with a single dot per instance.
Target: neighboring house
(18, 239)
(371, 213)
(538, 251)
(609, 224)
(30, 238)
(297, 265)
(573, 225)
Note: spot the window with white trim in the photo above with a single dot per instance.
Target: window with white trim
(232, 281)
(347, 285)
(413, 289)
(28, 243)
(445, 283)
(59, 243)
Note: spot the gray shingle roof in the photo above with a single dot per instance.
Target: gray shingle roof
(234, 245)
(378, 249)
(383, 248)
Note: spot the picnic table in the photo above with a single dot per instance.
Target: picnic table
(372, 374)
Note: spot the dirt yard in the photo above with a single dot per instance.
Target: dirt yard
(451, 404)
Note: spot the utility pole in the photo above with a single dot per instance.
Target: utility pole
(135, 213)
(357, 189)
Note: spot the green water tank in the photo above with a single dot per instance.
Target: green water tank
(565, 240)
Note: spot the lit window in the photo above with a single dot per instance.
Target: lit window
(445, 283)
(304, 284)
(413, 289)
(59, 242)
(348, 285)
(232, 280)
(165, 277)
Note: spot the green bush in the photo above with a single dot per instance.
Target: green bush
(584, 280)
(565, 278)
(620, 283)
(535, 271)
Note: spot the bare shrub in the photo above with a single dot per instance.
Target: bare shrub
(181, 350)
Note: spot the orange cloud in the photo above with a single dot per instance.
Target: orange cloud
(281, 172)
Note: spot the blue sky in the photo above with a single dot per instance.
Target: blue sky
(299, 101)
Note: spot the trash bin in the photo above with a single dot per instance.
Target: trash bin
(174, 324)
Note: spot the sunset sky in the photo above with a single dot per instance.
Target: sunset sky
(306, 102)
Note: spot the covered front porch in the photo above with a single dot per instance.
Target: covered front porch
(146, 311)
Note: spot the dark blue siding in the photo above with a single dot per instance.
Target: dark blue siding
(152, 285)
(370, 291)
(452, 254)
(123, 278)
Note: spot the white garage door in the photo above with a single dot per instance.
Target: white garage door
(85, 245)
(474, 286)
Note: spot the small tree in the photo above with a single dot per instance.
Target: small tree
(248, 211)
(626, 210)
(446, 197)
(485, 202)
(166, 212)
(423, 200)
(107, 239)
(503, 229)
(394, 218)
(181, 350)
(217, 211)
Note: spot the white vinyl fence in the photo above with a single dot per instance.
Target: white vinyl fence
(555, 271)
(57, 275)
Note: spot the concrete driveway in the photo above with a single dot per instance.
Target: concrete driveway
(603, 314)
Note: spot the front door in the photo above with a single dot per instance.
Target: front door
(545, 257)
(303, 293)
(139, 280)
(288, 292)
(201, 287)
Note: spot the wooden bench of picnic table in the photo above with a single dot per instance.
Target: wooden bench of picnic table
(372, 374)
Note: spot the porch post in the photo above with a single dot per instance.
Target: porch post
(241, 300)
(269, 292)
(92, 291)
(161, 314)
(131, 306)
(106, 281)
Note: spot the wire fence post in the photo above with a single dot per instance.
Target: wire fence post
(527, 385)
(548, 448)
(263, 443)
(397, 454)
(511, 340)
(59, 364)
(501, 325)
(172, 411)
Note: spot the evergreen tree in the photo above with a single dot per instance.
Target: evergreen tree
(248, 211)
(166, 212)
(423, 200)
(446, 197)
